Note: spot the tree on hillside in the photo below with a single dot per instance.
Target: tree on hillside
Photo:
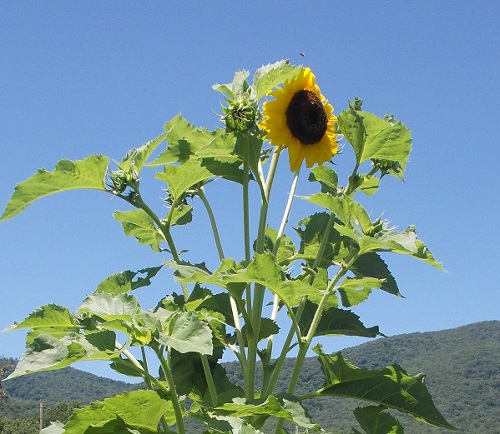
(3, 369)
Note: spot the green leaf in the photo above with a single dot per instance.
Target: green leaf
(264, 270)
(374, 420)
(109, 307)
(311, 232)
(139, 224)
(297, 411)
(374, 138)
(368, 184)
(88, 173)
(327, 177)
(268, 327)
(269, 76)
(241, 408)
(286, 249)
(140, 409)
(335, 321)
(389, 240)
(182, 214)
(137, 157)
(182, 178)
(385, 140)
(217, 303)
(348, 210)
(237, 86)
(185, 141)
(124, 366)
(46, 352)
(391, 387)
(351, 125)
(47, 316)
(356, 290)
(189, 378)
(372, 265)
(185, 332)
(124, 282)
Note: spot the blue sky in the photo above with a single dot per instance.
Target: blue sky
(79, 78)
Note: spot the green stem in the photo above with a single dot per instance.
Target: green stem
(167, 371)
(211, 217)
(210, 380)
(144, 373)
(164, 228)
(234, 307)
(259, 290)
(279, 236)
(246, 202)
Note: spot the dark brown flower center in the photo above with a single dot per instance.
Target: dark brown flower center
(306, 117)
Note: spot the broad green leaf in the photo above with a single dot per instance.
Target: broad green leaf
(139, 224)
(88, 173)
(185, 141)
(286, 249)
(185, 332)
(46, 352)
(217, 303)
(111, 307)
(327, 177)
(351, 125)
(57, 332)
(141, 409)
(385, 140)
(182, 178)
(372, 265)
(389, 240)
(374, 420)
(226, 169)
(348, 210)
(237, 86)
(268, 327)
(356, 290)
(335, 322)
(189, 377)
(391, 387)
(311, 232)
(137, 157)
(125, 367)
(374, 138)
(241, 408)
(269, 76)
(264, 270)
(297, 411)
(182, 214)
(47, 316)
(124, 282)
(193, 273)
(368, 184)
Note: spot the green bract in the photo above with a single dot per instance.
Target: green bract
(330, 263)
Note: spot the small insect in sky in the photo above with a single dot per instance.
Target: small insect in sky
(302, 54)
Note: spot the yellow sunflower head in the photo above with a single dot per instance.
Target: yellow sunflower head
(302, 120)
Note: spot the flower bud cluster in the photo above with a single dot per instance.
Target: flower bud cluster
(241, 115)
(120, 180)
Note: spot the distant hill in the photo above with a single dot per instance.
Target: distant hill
(462, 367)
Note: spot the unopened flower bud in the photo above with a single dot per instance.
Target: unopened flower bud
(240, 115)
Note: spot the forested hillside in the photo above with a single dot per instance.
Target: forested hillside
(462, 367)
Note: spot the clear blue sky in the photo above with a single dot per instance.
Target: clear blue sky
(78, 78)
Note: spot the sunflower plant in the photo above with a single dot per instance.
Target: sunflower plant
(291, 285)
